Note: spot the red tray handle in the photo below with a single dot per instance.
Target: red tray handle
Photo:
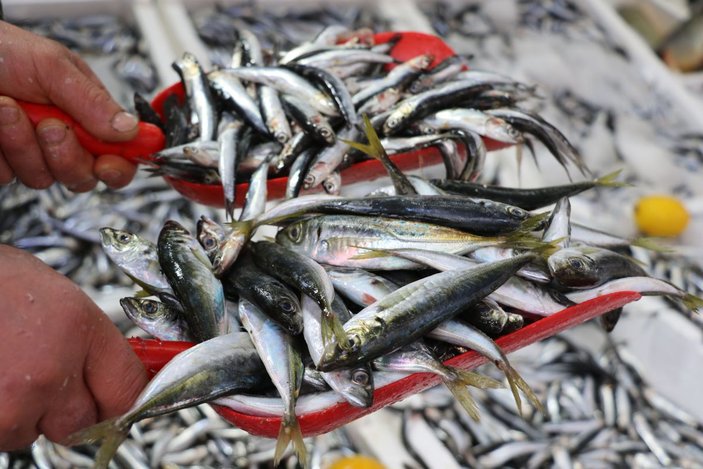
(148, 141)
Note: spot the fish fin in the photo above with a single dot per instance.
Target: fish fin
(516, 382)
(651, 244)
(371, 254)
(332, 330)
(609, 180)
(290, 432)
(692, 302)
(375, 150)
(142, 294)
(534, 222)
(111, 433)
(457, 381)
(522, 239)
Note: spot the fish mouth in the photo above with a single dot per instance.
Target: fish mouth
(358, 397)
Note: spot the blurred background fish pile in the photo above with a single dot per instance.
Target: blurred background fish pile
(602, 407)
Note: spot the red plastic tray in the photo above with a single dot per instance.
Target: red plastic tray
(155, 354)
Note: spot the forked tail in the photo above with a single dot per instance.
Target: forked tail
(111, 433)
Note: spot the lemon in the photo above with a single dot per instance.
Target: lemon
(661, 215)
(357, 462)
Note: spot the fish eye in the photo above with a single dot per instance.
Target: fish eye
(355, 343)
(360, 377)
(325, 132)
(209, 242)
(124, 238)
(287, 306)
(295, 232)
(149, 307)
(515, 211)
(577, 264)
(392, 122)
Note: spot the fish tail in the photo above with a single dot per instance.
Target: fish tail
(290, 432)
(111, 433)
(651, 244)
(458, 380)
(332, 330)
(609, 180)
(523, 239)
(516, 382)
(534, 222)
(692, 302)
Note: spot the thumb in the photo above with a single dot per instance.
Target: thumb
(113, 372)
(90, 104)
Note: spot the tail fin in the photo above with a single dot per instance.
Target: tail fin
(332, 330)
(375, 150)
(651, 244)
(692, 302)
(457, 381)
(522, 239)
(535, 222)
(516, 382)
(111, 433)
(609, 180)
(290, 432)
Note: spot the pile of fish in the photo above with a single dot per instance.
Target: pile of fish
(294, 113)
(392, 283)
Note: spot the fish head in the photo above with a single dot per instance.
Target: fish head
(325, 133)
(360, 389)
(228, 250)
(300, 236)
(209, 234)
(141, 310)
(572, 268)
(500, 130)
(335, 356)
(114, 240)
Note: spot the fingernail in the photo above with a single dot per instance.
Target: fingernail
(82, 186)
(110, 176)
(9, 115)
(53, 134)
(123, 121)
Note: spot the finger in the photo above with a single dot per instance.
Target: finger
(6, 173)
(69, 163)
(73, 410)
(112, 371)
(114, 171)
(20, 148)
(89, 103)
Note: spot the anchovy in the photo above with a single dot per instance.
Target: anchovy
(313, 122)
(287, 82)
(273, 114)
(229, 142)
(334, 86)
(430, 101)
(255, 202)
(399, 77)
(556, 143)
(329, 159)
(203, 115)
(344, 57)
(189, 273)
(232, 93)
(470, 120)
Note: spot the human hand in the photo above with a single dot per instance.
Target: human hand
(64, 365)
(39, 70)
